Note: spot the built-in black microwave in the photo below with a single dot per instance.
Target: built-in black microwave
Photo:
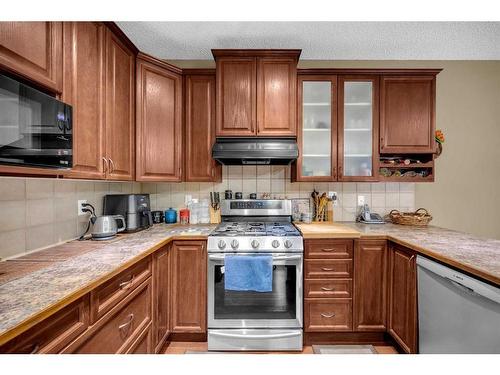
(35, 128)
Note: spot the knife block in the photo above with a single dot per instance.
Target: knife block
(214, 216)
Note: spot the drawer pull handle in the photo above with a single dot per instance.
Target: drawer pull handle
(124, 328)
(331, 315)
(327, 289)
(127, 284)
(328, 250)
(326, 269)
(35, 349)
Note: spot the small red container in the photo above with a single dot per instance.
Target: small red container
(184, 216)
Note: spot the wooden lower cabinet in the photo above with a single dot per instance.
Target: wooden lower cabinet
(402, 322)
(161, 297)
(189, 287)
(370, 285)
(328, 285)
(120, 328)
(327, 314)
(54, 333)
(143, 344)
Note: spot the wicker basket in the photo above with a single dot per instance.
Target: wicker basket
(418, 218)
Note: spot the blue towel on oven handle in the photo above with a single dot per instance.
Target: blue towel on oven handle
(248, 272)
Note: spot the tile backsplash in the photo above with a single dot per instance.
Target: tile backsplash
(382, 197)
(35, 213)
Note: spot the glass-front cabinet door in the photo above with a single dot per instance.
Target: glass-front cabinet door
(358, 128)
(317, 136)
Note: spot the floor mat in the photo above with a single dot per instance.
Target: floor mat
(344, 349)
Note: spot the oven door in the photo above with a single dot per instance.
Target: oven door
(281, 308)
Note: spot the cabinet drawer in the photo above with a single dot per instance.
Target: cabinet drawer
(143, 344)
(327, 314)
(106, 296)
(119, 328)
(328, 288)
(54, 333)
(328, 268)
(340, 249)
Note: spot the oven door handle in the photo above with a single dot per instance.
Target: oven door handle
(271, 336)
(279, 257)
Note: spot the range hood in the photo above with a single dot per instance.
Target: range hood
(255, 151)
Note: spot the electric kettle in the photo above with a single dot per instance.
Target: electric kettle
(106, 227)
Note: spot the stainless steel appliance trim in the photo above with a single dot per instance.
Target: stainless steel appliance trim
(278, 260)
(275, 256)
(286, 209)
(264, 336)
(255, 339)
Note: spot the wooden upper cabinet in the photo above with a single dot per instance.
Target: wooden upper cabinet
(200, 128)
(236, 96)
(256, 92)
(159, 121)
(120, 109)
(317, 130)
(83, 89)
(189, 287)
(402, 322)
(370, 285)
(358, 128)
(276, 96)
(407, 114)
(33, 50)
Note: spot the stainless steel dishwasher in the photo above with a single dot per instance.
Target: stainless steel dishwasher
(456, 313)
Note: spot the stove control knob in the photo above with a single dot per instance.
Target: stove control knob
(234, 244)
(275, 243)
(221, 244)
(288, 244)
(255, 244)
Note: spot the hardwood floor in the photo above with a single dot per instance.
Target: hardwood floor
(178, 347)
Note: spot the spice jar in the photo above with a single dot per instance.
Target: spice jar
(184, 216)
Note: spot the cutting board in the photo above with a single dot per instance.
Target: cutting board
(327, 230)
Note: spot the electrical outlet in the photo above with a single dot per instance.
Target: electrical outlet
(334, 197)
(361, 200)
(80, 202)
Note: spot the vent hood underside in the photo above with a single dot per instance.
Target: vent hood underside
(255, 151)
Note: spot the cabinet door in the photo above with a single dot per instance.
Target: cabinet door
(84, 89)
(317, 135)
(403, 299)
(161, 297)
(200, 129)
(407, 114)
(120, 109)
(358, 154)
(370, 285)
(33, 50)
(189, 287)
(276, 96)
(236, 96)
(159, 123)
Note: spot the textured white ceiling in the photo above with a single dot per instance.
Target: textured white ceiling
(322, 40)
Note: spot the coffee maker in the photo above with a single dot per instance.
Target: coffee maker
(135, 208)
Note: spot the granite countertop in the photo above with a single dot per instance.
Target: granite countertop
(30, 294)
(473, 254)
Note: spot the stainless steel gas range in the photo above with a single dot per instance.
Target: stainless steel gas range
(248, 320)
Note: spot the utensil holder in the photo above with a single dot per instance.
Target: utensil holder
(215, 216)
